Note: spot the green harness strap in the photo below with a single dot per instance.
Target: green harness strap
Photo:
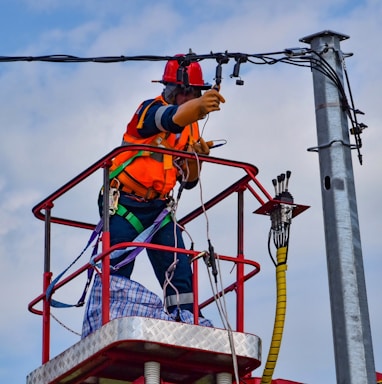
(122, 211)
(130, 217)
(121, 167)
(134, 221)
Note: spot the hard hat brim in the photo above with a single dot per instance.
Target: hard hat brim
(201, 87)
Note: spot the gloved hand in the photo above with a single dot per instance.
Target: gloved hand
(201, 147)
(197, 109)
(191, 167)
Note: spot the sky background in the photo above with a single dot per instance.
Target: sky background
(57, 119)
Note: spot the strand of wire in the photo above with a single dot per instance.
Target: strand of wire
(321, 65)
(223, 314)
(280, 237)
(228, 325)
(182, 182)
(356, 127)
(258, 58)
(201, 196)
(269, 247)
(219, 300)
(304, 58)
(325, 68)
(64, 325)
(222, 309)
(171, 269)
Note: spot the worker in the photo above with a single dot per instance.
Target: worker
(143, 183)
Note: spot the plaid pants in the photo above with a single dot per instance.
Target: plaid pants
(128, 298)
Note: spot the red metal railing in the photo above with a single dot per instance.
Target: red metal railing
(43, 211)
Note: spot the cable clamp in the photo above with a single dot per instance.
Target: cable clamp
(327, 145)
(203, 254)
(296, 51)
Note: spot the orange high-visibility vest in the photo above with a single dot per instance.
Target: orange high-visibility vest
(151, 170)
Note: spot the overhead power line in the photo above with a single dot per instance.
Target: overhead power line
(300, 56)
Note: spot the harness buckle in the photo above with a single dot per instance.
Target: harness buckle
(114, 196)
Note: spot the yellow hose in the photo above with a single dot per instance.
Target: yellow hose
(278, 326)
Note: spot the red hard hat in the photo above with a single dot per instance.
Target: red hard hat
(194, 72)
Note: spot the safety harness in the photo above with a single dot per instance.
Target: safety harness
(144, 235)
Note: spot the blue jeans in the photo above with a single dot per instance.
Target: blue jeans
(122, 231)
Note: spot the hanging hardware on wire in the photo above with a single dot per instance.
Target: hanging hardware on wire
(221, 59)
(211, 261)
(297, 56)
(319, 63)
(240, 58)
(299, 51)
(184, 62)
(357, 128)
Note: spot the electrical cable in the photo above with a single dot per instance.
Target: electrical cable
(356, 127)
(269, 247)
(64, 325)
(279, 316)
(169, 274)
(302, 57)
(219, 299)
(223, 314)
(281, 217)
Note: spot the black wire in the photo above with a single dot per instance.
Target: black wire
(257, 58)
(355, 125)
(307, 58)
(351, 111)
(76, 59)
(269, 247)
(304, 60)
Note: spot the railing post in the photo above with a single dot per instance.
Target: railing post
(195, 285)
(106, 246)
(46, 281)
(240, 266)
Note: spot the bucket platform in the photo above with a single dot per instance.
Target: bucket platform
(128, 350)
(120, 350)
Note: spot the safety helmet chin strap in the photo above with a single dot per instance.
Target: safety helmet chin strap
(169, 93)
(172, 90)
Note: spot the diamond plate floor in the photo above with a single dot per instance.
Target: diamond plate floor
(186, 353)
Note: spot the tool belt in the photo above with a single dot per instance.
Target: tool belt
(131, 186)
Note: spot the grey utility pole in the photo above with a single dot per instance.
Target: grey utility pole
(350, 316)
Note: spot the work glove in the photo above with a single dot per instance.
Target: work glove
(191, 167)
(201, 147)
(198, 108)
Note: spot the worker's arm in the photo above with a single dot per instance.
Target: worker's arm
(197, 109)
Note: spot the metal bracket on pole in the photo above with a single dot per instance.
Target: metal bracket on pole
(350, 316)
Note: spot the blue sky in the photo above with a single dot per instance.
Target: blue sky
(57, 119)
